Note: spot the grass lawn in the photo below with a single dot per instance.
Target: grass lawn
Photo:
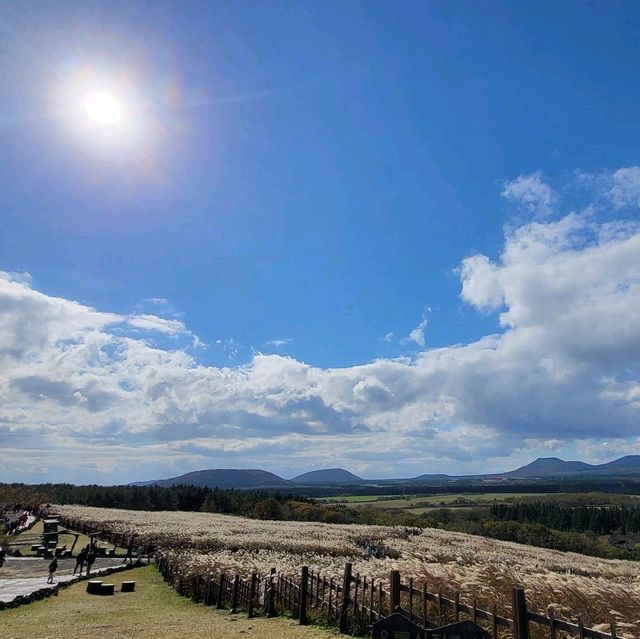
(153, 611)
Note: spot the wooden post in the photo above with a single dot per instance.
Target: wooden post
(494, 622)
(552, 624)
(304, 592)
(252, 594)
(425, 605)
(394, 590)
(372, 587)
(329, 609)
(207, 592)
(220, 598)
(271, 595)
(456, 608)
(234, 593)
(355, 594)
(520, 617)
(344, 605)
(411, 598)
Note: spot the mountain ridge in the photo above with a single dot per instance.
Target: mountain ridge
(540, 468)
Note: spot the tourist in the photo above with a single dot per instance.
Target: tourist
(80, 559)
(91, 557)
(129, 552)
(53, 566)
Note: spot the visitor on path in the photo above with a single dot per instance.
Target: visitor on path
(3, 553)
(91, 557)
(80, 559)
(129, 552)
(53, 566)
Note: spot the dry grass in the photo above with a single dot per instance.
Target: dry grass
(153, 611)
(598, 589)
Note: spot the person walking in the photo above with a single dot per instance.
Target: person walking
(53, 566)
(3, 553)
(91, 557)
(129, 552)
(80, 559)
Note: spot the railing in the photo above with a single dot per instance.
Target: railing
(352, 602)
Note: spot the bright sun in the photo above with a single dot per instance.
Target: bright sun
(103, 108)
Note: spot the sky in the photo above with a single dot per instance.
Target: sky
(397, 238)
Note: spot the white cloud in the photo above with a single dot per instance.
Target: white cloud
(417, 334)
(279, 342)
(170, 327)
(531, 192)
(79, 384)
(625, 190)
(388, 337)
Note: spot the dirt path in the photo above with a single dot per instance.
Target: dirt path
(153, 611)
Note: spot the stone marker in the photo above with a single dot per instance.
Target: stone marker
(128, 586)
(93, 586)
(107, 589)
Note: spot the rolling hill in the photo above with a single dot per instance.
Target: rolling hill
(227, 478)
(337, 476)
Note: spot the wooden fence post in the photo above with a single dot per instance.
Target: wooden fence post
(304, 592)
(520, 617)
(220, 593)
(344, 605)
(394, 590)
(252, 594)
(271, 595)
(234, 593)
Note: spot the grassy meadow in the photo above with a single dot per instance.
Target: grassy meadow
(569, 584)
(153, 611)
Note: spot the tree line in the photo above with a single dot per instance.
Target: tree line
(547, 524)
(601, 520)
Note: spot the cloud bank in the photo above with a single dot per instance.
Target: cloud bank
(89, 395)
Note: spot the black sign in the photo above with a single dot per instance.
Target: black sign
(397, 627)
(459, 630)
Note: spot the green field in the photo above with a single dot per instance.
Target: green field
(420, 503)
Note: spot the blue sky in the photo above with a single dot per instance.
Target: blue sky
(321, 230)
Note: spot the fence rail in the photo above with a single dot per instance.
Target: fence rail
(354, 602)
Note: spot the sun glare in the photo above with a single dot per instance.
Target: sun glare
(103, 108)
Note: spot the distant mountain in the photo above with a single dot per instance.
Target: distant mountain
(337, 476)
(428, 477)
(227, 478)
(628, 463)
(541, 468)
(549, 467)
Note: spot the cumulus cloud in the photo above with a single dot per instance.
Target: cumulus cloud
(80, 384)
(530, 192)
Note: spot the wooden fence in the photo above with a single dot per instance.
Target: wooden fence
(352, 603)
